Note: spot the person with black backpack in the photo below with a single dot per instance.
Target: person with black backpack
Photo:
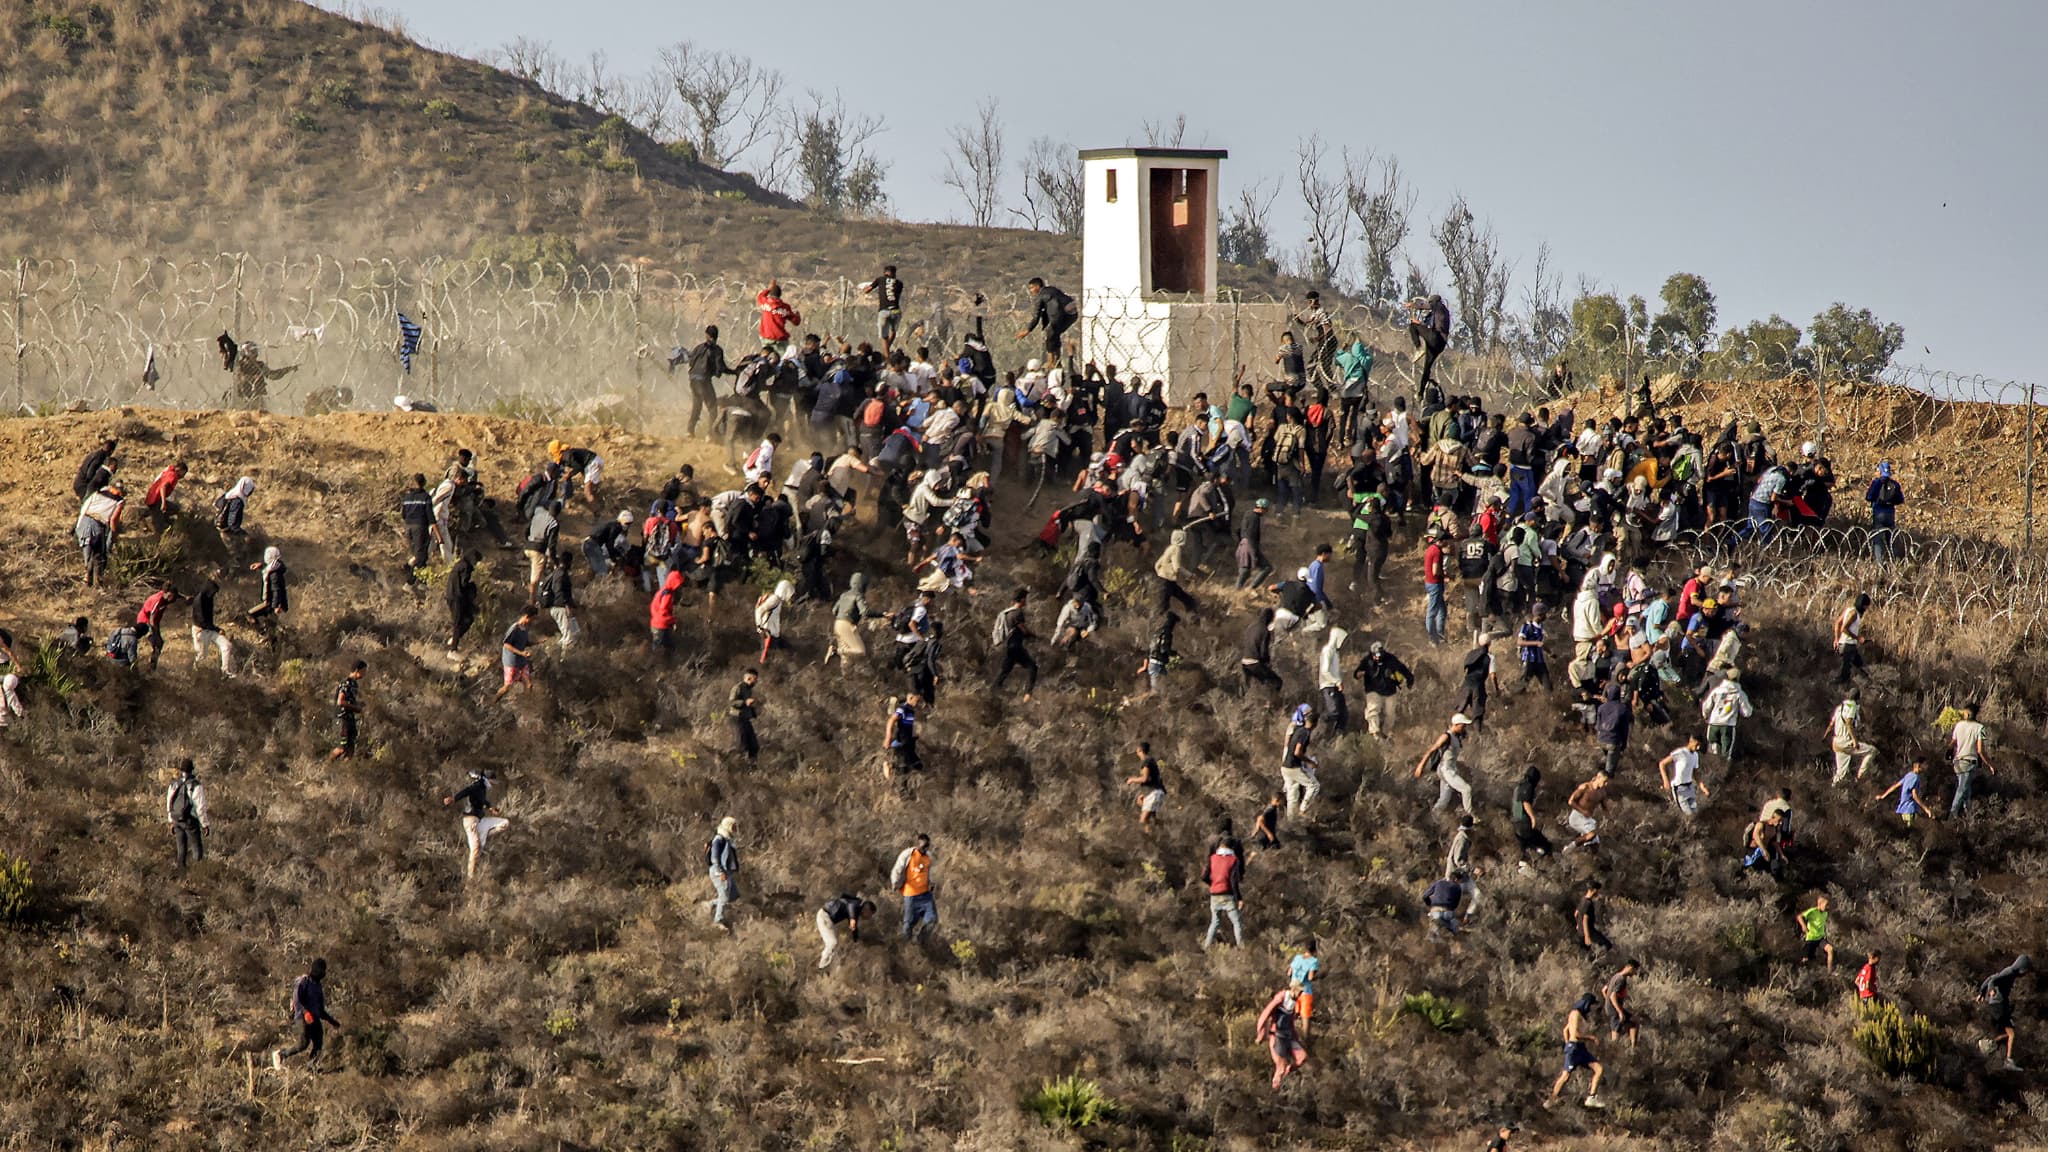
(1010, 637)
(348, 711)
(1884, 497)
(722, 861)
(185, 808)
(416, 512)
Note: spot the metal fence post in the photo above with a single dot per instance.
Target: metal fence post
(20, 342)
(2028, 474)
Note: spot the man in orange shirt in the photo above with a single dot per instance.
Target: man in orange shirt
(158, 499)
(912, 877)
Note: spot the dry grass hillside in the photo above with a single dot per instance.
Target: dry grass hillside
(189, 127)
(575, 996)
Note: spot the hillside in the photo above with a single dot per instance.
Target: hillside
(575, 997)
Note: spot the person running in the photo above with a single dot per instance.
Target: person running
(1501, 1136)
(348, 711)
(722, 862)
(1330, 680)
(768, 616)
(558, 597)
(1305, 969)
(847, 908)
(1966, 753)
(888, 292)
(911, 876)
(1582, 809)
(1224, 873)
(309, 1011)
(1444, 755)
(1586, 920)
(1011, 636)
(1277, 1027)
(1813, 929)
(1151, 786)
(1479, 678)
(206, 632)
(1844, 732)
(1680, 772)
(1621, 1018)
(1578, 1053)
(1911, 802)
(152, 614)
(1382, 674)
(1255, 655)
(1529, 837)
(185, 809)
(1995, 993)
(1866, 979)
(740, 709)
(848, 613)
(480, 819)
(515, 653)
(1298, 764)
(899, 738)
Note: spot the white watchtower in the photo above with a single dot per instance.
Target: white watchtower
(1148, 266)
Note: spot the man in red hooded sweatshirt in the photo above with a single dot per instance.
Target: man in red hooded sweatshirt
(661, 615)
(776, 317)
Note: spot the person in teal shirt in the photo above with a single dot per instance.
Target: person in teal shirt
(1354, 369)
(1303, 970)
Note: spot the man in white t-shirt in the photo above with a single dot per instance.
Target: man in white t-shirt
(1681, 776)
(921, 373)
(1966, 752)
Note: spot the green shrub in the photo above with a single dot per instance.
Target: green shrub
(68, 31)
(682, 150)
(730, 194)
(521, 251)
(1896, 1044)
(303, 121)
(1440, 1012)
(1071, 1102)
(562, 1024)
(17, 888)
(442, 109)
(542, 116)
(132, 564)
(341, 94)
(525, 152)
(47, 670)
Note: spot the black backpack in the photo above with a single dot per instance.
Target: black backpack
(181, 802)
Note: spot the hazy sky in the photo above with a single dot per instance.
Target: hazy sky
(1792, 153)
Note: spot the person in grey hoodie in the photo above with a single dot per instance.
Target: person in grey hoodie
(847, 616)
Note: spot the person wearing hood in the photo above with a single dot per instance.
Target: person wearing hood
(1884, 495)
(1589, 619)
(722, 862)
(1170, 569)
(768, 616)
(277, 598)
(229, 508)
(460, 592)
(479, 817)
(1613, 720)
(1995, 993)
(1255, 654)
(661, 615)
(1298, 764)
(1330, 678)
(1002, 429)
(847, 615)
(1381, 674)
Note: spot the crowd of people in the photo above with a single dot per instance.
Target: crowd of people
(849, 464)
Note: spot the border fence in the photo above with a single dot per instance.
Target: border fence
(576, 341)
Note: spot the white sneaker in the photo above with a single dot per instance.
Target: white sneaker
(1595, 1102)
(277, 1059)
(2009, 1066)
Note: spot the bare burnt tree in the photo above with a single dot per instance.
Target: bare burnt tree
(535, 61)
(1052, 188)
(1383, 206)
(1166, 133)
(1246, 238)
(974, 167)
(730, 106)
(1324, 210)
(1479, 274)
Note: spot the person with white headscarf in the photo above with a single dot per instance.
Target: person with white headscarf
(768, 616)
(276, 593)
(230, 507)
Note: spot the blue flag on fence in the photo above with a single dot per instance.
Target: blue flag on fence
(408, 341)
